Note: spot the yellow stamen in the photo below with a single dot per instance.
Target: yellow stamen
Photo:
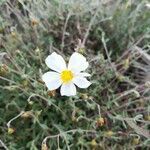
(66, 76)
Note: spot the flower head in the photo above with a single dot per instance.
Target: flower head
(68, 77)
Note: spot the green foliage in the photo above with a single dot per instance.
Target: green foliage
(31, 117)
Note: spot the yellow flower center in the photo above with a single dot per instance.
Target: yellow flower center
(66, 76)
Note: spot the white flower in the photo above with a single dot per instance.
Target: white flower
(148, 5)
(66, 76)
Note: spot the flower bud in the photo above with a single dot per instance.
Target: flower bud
(44, 146)
(25, 83)
(34, 22)
(147, 117)
(52, 93)
(13, 34)
(81, 50)
(3, 69)
(147, 84)
(11, 130)
(93, 143)
(136, 141)
(30, 102)
(84, 96)
(27, 114)
(137, 94)
(126, 63)
(100, 122)
(74, 119)
(120, 77)
(109, 133)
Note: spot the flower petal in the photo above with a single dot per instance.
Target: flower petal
(77, 63)
(55, 62)
(83, 74)
(52, 80)
(68, 89)
(81, 82)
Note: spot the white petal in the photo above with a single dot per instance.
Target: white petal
(52, 80)
(77, 63)
(55, 62)
(68, 89)
(83, 74)
(81, 82)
